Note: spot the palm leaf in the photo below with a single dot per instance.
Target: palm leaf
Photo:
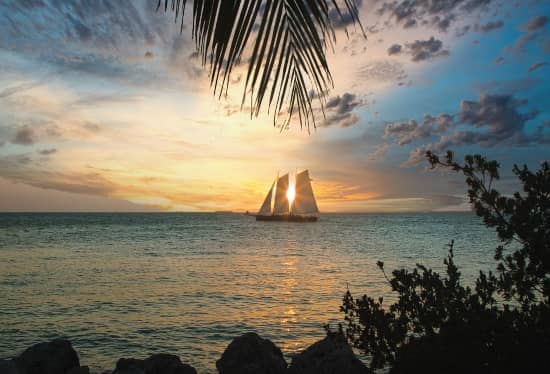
(288, 54)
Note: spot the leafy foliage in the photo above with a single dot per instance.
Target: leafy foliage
(288, 59)
(439, 325)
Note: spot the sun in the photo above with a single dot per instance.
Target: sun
(290, 194)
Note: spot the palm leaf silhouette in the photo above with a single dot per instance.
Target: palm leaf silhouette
(287, 67)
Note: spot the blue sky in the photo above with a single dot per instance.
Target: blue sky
(104, 106)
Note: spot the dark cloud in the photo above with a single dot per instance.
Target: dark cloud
(439, 14)
(149, 55)
(490, 121)
(463, 31)
(536, 23)
(442, 23)
(344, 20)
(421, 50)
(499, 116)
(80, 31)
(339, 111)
(490, 26)
(410, 23)
(103, 24)
(395, 49)
(343, 104)
(406, 132)
(536, 66)
(24, 136)
(47, 152)
(533, 35)
(521, 43)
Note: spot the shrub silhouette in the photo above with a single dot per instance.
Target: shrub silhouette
(500, 325)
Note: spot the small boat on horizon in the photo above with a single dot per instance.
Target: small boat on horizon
(290, 203)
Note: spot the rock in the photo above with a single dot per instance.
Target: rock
(251, 354)
(54, 357)
(8, 367)
(156, 364)
(332, 355)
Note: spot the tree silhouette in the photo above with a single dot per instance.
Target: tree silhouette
(501, 325)
(288, 39)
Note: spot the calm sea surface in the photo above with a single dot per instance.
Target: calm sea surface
(130, 285)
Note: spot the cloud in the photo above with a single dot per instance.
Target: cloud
(80, 31)
(490, 26)
(537, 23)
(149, 55)
(92, 127)
(344, 20)
(340, 110)
(395, 49)
(18, 88)
(490, 121)
(24, 136)
(499, 115)
(438, 14)
(406, 132)
(536, 66)
(48, 29)
(382, 71)
(21, 168)
(462, 31)
(422, 50)
(343, 104)
(379, 153)
(47, 152)
(533, 34)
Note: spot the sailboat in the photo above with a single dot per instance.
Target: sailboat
(277, 207)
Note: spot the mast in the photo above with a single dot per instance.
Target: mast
(281, 201)
(304, 202)
(266, 206)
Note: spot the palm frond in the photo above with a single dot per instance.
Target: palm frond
(288, 54)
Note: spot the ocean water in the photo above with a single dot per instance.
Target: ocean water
(128, 285)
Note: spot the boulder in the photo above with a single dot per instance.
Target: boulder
(156, 364)
(54, 357)
(332, 355)
(251, 354)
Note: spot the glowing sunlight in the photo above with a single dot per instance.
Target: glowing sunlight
(291, 193)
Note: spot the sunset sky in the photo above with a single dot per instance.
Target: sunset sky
(104, 106)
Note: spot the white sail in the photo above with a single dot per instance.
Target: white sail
(266, 206)
(304, 202)
(281, 201)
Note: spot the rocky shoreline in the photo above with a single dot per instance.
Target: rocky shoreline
(246, 354)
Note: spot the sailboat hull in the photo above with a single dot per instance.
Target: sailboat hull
(286, 218)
